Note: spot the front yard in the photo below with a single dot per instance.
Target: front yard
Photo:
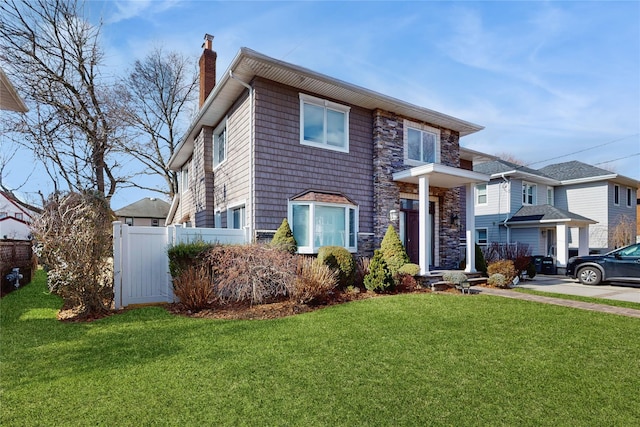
(419, 359)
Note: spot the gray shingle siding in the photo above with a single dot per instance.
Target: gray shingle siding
(285, 168)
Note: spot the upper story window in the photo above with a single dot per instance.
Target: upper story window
(19, 215)
(220, 144)
(616, 195)
(481, 194)
(550, 196)
(629, 193)
(421, 143)
(324, 124)
(528, 193)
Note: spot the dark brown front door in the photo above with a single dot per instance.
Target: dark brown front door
(412, 234)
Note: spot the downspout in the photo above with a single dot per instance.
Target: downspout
(252, 221)
(506, 218)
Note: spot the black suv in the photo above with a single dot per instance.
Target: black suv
(620, 265)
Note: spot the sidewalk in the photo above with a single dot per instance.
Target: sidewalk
(565, 285)
(621, 311)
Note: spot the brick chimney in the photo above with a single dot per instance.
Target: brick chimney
(207, 68)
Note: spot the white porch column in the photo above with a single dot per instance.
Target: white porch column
(470, 266)
(562, 248)
(583, 240)
(424, 229)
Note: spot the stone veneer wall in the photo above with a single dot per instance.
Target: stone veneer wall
(201, 178)
(388, 158)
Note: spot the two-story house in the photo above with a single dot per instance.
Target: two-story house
(560, 210)
(273, 140)
(15, 219)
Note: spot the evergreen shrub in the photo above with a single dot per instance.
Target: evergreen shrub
(379, 278)
(339, 259)
(393, 250)
(283, 239)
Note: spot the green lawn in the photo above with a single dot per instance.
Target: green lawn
(427, 359)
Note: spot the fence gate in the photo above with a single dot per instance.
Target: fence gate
(141, 264)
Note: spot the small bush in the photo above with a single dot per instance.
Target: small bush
(406, 282)
(455, 277)
(497, 280)
(531, 270)
(194, 287)
(410, 269)
(481, 263)
(185, 255)
(283, 239)
(313, 282)
(254, 274)
(339, 259)
(504, 267)
(362, 269)
(379, 278)
(393, 250)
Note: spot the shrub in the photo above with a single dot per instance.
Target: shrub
(481, 263)
(283, 239)
(379, 278)
(252, 274)
(393, 250)
(339, 259)
(455, 277)
(410, 269)
(314, 281)
(519, 253)
(504, 267)
(194, 287)
(531, 270)
(74, 236)
(497, 280)
(362, 269)
(405, 282)
(185, 255)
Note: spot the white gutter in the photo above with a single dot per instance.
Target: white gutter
(252, 222)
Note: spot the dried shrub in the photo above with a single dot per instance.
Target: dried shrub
(254, 274)
(339, 259)
(194, 287)
(75, 243)
(362, 269)
(314, 281)
(406, 282)
(504, 267)
(519, 253)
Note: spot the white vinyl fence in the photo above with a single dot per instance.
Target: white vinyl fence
(141, 264)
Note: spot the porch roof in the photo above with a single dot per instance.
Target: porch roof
(545, 215)
(440, 175)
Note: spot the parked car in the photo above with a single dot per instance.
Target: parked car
(619, 265)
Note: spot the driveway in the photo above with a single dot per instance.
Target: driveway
(565, 285)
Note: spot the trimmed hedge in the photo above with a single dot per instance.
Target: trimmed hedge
(339, 259)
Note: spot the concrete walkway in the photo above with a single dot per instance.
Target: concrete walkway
(565, 285)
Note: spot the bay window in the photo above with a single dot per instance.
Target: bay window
(324, 124)
(316, 224)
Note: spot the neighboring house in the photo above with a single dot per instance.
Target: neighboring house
(147, 212)
(560, 210)
(273, 140)
(638, 217)
(15, 219)
(9, 98)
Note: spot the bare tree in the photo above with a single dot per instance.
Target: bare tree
(55, 55)
(624, 232)
(159, 90)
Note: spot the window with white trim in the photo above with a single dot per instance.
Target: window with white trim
(481, 194)
(237, 217)
(550, 196)
(629, 197)
(155, 222)
(481, 236)
(220, 144)
(128, 221)
(616, 195)
(184, 180)
(3, 214)
(421, 144)
(528, 193)
(317, 224)
(324, 124)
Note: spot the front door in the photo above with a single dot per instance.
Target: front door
(412, 234)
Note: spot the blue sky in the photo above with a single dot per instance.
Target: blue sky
(549, 81)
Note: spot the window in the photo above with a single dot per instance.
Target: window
(217, 220)
(220, 145)
(324, 124)
(184, 180)
(128, 221)
(237, 218)
(323, 224)
(19, 215)
(3, 214)
(155, 222)
(481, 194)
(629, 193)
(616, 195)
(550, 196)
(421, 143)
(481, 236)
(528, 194)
